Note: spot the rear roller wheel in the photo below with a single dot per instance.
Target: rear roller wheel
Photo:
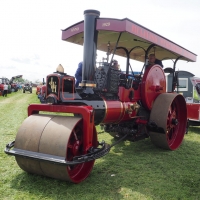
(169, 112)
(54, 135)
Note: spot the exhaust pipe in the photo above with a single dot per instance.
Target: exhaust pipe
(90, 47)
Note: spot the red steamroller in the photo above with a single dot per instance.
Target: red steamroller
(127, 106)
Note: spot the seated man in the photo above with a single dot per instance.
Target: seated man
(78, 74)
(153, 60)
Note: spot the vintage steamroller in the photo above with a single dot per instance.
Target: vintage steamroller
(127, 106)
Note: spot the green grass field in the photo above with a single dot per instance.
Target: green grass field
(130, 171)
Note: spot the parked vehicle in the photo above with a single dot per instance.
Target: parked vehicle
(2, 81)
(27, 87)
(14, 86)
(42, 94)
(193, 104)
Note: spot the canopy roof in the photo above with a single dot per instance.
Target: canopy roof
(133, 35)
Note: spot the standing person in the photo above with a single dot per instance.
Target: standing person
(5, 91)
(9, 88)
(115, 65)
(78, 74)
(19, 87)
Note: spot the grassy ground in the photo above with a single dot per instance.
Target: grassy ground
(130, 171)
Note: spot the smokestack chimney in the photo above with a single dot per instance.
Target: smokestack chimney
(90, 47)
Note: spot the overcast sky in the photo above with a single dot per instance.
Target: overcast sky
(30, 31)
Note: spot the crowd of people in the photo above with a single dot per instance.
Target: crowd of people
(7, 88)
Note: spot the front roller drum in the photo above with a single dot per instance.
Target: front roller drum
(169, 112)
(58, 136)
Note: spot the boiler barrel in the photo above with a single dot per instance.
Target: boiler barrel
(116, 111)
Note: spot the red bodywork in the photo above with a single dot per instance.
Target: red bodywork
(193, 105)
(41, 89)
(153, 84)
(193, 111)
(38, 89)
(1, 89)
(2, 80)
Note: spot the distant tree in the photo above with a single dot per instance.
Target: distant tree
(19, 80)
(37, 81)
(27, 81)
